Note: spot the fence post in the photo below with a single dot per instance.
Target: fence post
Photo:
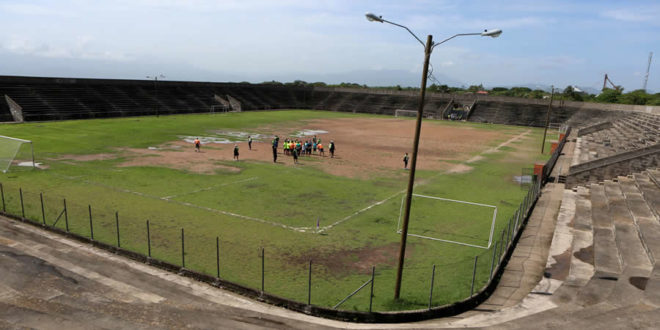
(148, 240)
(117, 226)
(263, 258)
(91, 225)
(309, 285)
(43, 213)
(217, 256)
(431, 290)
(474, 275)
(2, 191)
(66, 216)
(20, 191)
(492, 260)
(509, 237)
(183, 250)
(499, 255)
(371, 296)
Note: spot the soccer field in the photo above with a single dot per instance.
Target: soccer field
(341, 213)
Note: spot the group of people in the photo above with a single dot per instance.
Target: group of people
(296, 148)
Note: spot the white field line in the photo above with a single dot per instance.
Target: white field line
(211, 187)
(236, 215)
(447, 241)
(503, 144)
(492, 225)
(15, 139)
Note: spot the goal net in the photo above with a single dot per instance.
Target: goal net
(405, 113)
(451, 221)
(14, 151)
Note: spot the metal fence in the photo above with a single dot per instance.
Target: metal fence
(102, 227)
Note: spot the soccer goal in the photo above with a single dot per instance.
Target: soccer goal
(14, 151)
(451, 221)
(405, 113)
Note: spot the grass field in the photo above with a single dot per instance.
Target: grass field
(142, 169)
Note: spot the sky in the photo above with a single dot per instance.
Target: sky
(543, 43)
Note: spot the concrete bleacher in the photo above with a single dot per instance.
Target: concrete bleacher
(607, 272)
(617, 147)
(59, 98)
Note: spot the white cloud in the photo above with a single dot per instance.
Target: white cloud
(80, 48)
(638, 15)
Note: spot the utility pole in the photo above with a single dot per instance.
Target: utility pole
(648, 67)
(547, 119)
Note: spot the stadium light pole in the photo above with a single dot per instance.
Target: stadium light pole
(156, 76)
(428, 49)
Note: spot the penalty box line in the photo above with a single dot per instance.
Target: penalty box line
(236, 215)
(492, 224)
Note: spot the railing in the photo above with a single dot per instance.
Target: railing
(103, 228)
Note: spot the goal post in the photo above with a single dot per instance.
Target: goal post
(15, 150)
(405, 113)
(452, 221)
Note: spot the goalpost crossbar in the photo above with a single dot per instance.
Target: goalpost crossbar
(15, 139)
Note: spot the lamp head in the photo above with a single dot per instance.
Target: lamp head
(371, 17)
(492, 33)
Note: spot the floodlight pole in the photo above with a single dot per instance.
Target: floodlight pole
(413, 165)
(428, 49)
(547, 119)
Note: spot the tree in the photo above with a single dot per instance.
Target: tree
(475, 88)
(572, 95)
(608, 95)
(638, 97)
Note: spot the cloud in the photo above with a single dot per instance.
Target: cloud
(638, 15)
(81, 48)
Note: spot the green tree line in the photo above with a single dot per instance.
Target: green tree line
(570, 93)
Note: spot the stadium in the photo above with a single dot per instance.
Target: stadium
(123, 180)
(182, 203)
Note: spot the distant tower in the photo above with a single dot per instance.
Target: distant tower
(648, 67)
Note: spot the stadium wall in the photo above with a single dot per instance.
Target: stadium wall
(72, 98)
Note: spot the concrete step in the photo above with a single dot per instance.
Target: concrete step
(648, 225)
(633, 254)
(582, 261)
(650, 192)
(607, 261)
(652, 288)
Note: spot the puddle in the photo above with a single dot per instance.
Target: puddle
(310, 132)
(523, 179)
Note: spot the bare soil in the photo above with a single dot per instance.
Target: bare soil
(364, 148)
(350, 261)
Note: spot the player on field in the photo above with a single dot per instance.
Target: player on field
(249, 142)
(405, 161)
(320, 147)
(236, 151)
(332, 149)
(197, 143)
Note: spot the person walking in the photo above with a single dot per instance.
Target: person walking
(332, 149)
(294, 152)
(405, 161)
(249, 142)
(197, 143)
(235, 151)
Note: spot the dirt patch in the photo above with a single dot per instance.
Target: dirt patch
(182, 158)
(365, 148)
(350, 261)
(87, 158)
(459, 168)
